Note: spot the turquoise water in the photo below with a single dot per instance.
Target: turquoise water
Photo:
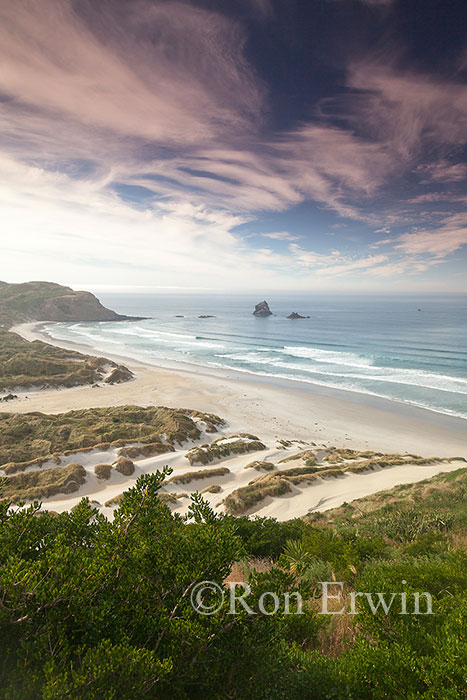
(379, 346)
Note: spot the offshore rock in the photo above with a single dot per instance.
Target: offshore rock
(262, 309)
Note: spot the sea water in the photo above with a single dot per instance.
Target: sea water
(411, 350)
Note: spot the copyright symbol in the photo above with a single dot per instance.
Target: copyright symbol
(207, 597)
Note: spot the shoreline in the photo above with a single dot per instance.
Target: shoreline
(273, 410)
(35, 331)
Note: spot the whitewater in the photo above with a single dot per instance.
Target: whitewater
(411, 350)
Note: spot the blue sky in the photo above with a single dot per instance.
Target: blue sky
(255, 144)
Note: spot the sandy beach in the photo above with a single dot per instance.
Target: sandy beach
(271, 412)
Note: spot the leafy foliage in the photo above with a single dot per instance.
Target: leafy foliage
(91, 608)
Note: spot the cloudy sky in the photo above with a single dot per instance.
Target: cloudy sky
(234, 144)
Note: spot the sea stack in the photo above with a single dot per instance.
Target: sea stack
(295, 315)
(262, 309)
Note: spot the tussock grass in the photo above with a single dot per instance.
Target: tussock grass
(124, 466)
(149, 450)
(308, 456)
(38, 484)
(260, 466)
(193, 476)
(443, 494)
(103, 471)
(28, 436)
(204, 454)
(26, 365)
(279, 482)
(118, 375)
(246, 497)
(214, 488)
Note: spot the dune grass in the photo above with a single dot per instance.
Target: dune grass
(29, 436)
(193, 476)
(404, 508)
(149, 450)
(25, 365)
(280, 482)
(42, 483)
(124, 466)
(204, 454)
(103, 471)
(261, 466)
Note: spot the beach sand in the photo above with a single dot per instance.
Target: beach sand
(271, 412)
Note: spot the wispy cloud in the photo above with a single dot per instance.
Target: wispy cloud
(281, 236)
(406, 109)
(443, 171)
(334, 264)
(100, 100)
(449, 237)
(165, 71)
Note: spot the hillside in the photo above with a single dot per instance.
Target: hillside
(96, 608)
(47, 301)
(24, 365)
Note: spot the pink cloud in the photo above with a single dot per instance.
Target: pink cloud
(166, 72)
(443, 172)
(281, 236)
(404, 109)
(439, 243)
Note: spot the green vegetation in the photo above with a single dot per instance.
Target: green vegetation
(96, 609)
(148, 450)
(37, 364)
(246, 497)
(439, 503)
(202, 474)
(47, 301)
(118, 375)
(43, 483)
(204, 454)
(24, 365)
(28, 436)
(279, 482)
(339, 454)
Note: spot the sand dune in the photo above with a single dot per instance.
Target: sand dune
(272, 412)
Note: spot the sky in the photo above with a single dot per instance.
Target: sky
(234, 144)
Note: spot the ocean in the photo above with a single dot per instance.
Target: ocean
(411, 350)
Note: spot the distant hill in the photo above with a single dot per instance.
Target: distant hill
(47, 301)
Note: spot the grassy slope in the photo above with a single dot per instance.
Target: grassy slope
(31, 439)
(23, 364)
(47, 301)
(398, 510)
(27, 436)
(306, 469)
